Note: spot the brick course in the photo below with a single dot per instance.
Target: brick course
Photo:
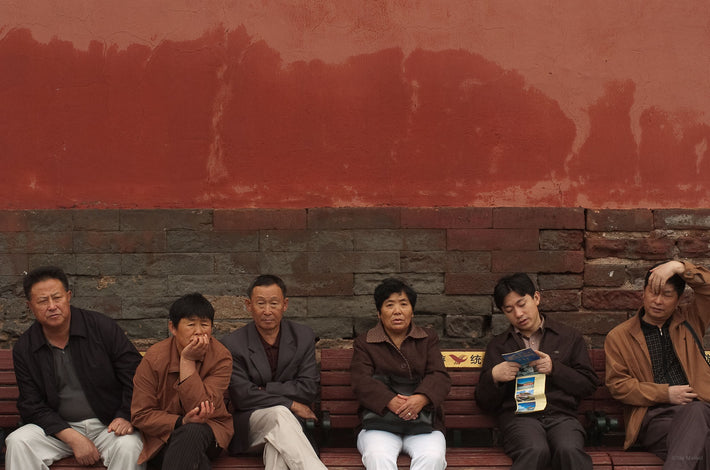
(131, 264)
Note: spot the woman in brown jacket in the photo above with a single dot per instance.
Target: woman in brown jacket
(398, 351)
(178, 391)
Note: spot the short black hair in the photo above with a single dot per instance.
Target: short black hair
(267, 280)
(391, 286)
(675, 280)
(520, 283)
(191, 305)
(42, 274)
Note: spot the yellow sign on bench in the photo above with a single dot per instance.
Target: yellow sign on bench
(462, 359)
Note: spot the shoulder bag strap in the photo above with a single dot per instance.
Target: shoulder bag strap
(697, 341)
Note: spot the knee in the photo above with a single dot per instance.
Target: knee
(430, 459)
(372, 453)
(19, 437)
(538, 450)
(281, 417)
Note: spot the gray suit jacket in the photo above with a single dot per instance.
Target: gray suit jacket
(252, 387)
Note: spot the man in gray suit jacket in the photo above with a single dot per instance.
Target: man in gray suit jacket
(274, 381)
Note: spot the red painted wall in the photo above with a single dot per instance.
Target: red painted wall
(194, 103)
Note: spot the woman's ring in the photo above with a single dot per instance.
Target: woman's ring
(409, 414)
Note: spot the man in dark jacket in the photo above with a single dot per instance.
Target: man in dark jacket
(274, 381)
(75, 371)
(553, 436)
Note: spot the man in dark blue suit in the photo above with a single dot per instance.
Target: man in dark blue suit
(274, 381)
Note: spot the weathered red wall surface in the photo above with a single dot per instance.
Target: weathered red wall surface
(195, 103)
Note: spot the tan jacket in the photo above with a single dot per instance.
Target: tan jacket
(158, 399)
(629, 375)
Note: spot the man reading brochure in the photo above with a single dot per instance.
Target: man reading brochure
(551, 437)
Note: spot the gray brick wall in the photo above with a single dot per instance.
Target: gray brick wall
(131, 264)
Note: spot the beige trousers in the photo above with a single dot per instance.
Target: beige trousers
(286, 447)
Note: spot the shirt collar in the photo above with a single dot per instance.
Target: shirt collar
(378, 334)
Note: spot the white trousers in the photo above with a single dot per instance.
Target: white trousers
(380, 449)
(29, 448)
(285, 445)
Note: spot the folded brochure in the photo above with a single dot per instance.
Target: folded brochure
(529, 385)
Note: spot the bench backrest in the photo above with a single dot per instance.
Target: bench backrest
(338, 399)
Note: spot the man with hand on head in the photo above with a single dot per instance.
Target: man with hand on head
(178, 403)
(655, 364)
(74, 369)
(274, 381)
(552, 437)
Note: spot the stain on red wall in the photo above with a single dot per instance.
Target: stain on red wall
(223, 121)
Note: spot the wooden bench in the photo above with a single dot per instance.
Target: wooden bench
(470, 432)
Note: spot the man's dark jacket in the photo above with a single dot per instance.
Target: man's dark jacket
(572, 375)
(104, 359)
(252, 386)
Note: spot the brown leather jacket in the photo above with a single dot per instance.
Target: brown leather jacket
(629, 375)
(158, 400)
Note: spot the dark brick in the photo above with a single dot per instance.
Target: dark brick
(36, 242)
(167, 264)
(589, 322)
(354, 262)
(229, 307)
(119, 242)
(411, 240)
(696, 245)
(259, 219)
(211, 284)
(66, 261)
(186, 241)
(342, 306)
(306, 240)
(13, 221)
(237, 263)
(539, 217)
(49, 221)
(492, 239)
(13, 264)
(156, 329)
(630, 248)
(560, 300)
(538, 261)
(120, 286)
(165, 219)
(423, 261)
(604, 275)
(609, 299)
(560, 281)
(468, 262)
(620, 220)
(464, 326)
(681, 219)
(330, 327)
(454, 304)
(283, 262)
(422, 283)
(98, 264)
(447, 217)
(308, 284)
(96, 219)
(108, 305)
(470, 283)
(556, 240)
(499, 323)
(353, 218)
